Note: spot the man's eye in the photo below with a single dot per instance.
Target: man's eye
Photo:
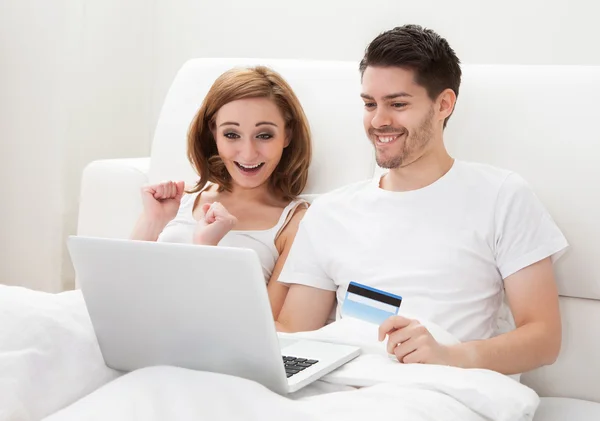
(369, 104)
(399, 104)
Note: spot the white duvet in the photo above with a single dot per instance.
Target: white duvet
(50, 366)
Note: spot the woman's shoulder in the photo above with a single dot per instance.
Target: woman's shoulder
(291, 217)
(188, 199)
(296, 204)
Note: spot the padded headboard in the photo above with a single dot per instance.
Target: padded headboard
(537, 120)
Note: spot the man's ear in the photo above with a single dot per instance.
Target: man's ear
(445, 103)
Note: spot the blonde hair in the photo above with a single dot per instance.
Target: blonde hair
(289, 177)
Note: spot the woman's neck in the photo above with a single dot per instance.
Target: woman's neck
(260, 194)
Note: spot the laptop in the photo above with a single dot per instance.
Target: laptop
(197, 307)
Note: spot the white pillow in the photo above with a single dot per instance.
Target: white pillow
(49, 355)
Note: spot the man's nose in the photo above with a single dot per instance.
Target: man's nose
(381, 118)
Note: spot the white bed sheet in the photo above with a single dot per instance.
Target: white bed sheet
(49, 355)
(51, 366)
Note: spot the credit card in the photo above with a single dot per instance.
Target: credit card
(369, 304)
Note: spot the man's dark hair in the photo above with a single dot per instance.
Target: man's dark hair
(434, 62)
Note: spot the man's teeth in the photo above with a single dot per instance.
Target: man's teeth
(386, 139)
(249, 167)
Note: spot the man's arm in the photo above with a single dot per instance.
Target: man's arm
(305, 308)
(526, 241)
(536, 341)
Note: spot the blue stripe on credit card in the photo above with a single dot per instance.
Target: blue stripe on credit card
(369, 304)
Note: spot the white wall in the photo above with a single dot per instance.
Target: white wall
(111, 106)
(508, 31)
(74, 86)
(84, 80)
(38, 42)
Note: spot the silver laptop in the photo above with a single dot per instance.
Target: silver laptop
(197, 307)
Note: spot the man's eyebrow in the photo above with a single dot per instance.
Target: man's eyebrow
(398, 95)
(390, 96)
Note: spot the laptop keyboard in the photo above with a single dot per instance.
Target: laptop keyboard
(295, 365)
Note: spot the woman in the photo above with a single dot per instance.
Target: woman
(250, 143)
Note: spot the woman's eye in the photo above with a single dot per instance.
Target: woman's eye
(265, 136)
(231, 135)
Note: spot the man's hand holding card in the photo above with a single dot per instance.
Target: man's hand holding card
(408, 340)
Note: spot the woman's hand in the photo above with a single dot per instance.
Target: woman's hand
(215, 223)
(161, 201)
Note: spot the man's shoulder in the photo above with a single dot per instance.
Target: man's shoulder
(487, 176)
(485, 172)
(501, 184)
(344, 194)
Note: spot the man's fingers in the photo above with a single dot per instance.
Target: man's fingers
(405, 348)
(391, 324)
(415, 357)
(399, 336)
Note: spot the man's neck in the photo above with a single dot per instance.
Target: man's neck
(418, 174)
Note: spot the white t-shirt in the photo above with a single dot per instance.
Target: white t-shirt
(445, 248)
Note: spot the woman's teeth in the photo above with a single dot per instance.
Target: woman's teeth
(250, 167)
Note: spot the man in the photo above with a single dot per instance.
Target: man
(448, 236)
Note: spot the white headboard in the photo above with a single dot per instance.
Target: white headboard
(540, 121)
